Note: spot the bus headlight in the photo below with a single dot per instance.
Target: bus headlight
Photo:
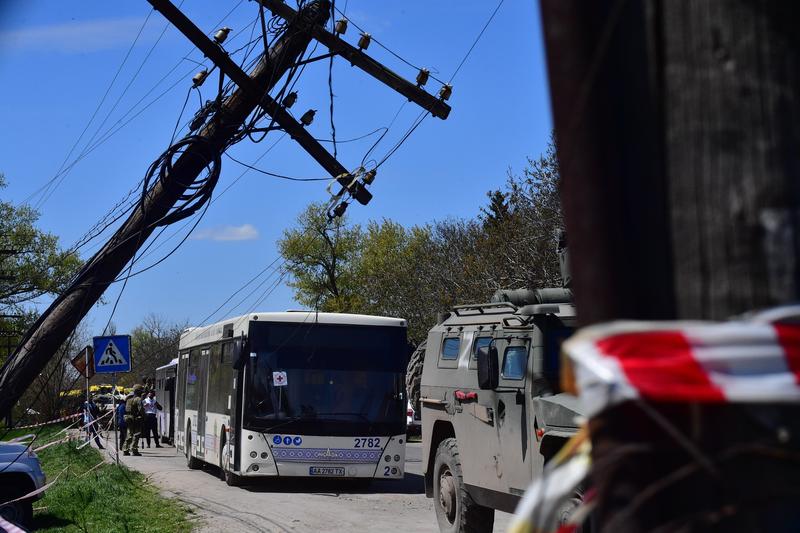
(253, 455)
(264, 455)
(396, 458)
(387, 458)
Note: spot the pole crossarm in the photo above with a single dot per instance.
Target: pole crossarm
(282, 117)
(209, 48)
(435, 106)
(296, 130)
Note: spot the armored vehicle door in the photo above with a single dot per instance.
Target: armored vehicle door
(512, 412)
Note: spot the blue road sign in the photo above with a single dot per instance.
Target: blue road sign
(112, 354)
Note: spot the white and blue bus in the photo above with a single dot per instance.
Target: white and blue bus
(165, 394)
(294, 394)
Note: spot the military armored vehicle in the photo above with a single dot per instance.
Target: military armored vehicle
(487, 384)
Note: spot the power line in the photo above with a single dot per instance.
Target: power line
(88, 148)
(330, 83)
(385, 47)
(110, 111)
(425, 113)
(475, 42)
(97, 108)
(274, 175)
(240, 289)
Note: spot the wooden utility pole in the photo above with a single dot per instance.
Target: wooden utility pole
(61, 318)
(678, 126)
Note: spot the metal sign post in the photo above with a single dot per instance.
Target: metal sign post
(114, 414)
(86, 414)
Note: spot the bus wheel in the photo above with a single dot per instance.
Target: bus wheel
(193, 463)
(232, 480)
(225, 474)
(456, 512)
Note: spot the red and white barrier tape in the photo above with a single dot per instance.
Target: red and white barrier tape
(53, 443)
(754, 361)
(54, 421)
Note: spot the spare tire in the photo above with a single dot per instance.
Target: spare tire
(414, 375)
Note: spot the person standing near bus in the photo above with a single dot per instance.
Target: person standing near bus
(151, 408)
(90, 414)
(134, 418)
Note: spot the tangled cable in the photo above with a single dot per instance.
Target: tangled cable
(196, 193)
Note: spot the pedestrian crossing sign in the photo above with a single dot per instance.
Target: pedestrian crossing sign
(112, 354)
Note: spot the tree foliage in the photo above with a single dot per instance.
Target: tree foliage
(417, 272)
(31, 265)
(31, 262)
(321, 259)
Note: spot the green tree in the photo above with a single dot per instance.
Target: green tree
(322, 260)
(31, 261)
(392, 280)
(31, 265)
(518, 249)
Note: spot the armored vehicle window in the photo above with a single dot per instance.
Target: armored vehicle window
(450, 348)
(515, 361)
(480, 342)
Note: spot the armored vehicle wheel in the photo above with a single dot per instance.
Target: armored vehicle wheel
(567, 507)
(193, 463)
(456, 512)
(414, 375)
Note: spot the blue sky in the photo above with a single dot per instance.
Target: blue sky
(57, 60)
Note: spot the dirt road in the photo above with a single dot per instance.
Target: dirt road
(297, 505)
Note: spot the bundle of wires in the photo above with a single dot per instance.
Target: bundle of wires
(198, 192)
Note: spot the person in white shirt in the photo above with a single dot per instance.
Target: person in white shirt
(151, 407)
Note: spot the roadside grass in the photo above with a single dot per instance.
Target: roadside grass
(106, 499)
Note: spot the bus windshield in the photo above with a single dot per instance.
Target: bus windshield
(326, 379)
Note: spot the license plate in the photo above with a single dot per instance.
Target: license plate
(326, 471)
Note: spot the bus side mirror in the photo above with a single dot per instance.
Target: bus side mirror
(488, 369)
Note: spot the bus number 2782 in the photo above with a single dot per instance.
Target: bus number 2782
(367, 442)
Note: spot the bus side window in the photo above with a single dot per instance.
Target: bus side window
(192, 377)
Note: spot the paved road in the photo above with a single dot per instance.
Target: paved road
(295, 505)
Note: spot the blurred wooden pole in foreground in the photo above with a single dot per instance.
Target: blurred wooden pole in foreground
(678, 134)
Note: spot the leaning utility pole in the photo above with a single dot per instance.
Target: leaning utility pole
(678, 126)
(201, 151)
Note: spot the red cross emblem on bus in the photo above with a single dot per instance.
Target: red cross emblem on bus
(279, 379)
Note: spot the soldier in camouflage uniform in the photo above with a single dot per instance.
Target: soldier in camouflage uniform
(134, 420)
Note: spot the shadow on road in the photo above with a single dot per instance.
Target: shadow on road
(411, 484)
